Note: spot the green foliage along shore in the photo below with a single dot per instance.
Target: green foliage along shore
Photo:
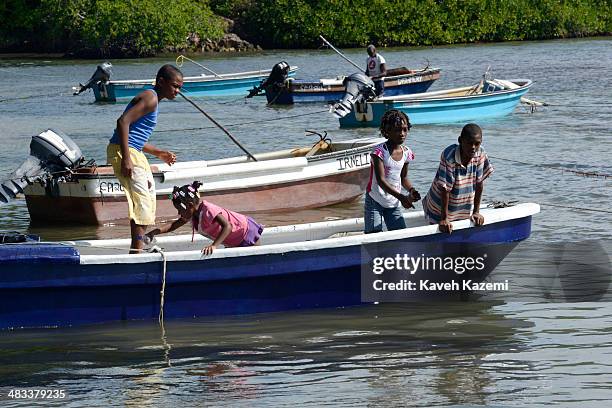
(298, 23)
(106, 27)
(116, 28)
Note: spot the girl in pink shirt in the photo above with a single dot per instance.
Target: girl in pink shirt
(223, 226)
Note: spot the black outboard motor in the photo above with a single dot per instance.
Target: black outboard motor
(275, 81)
(51, 152)
(102, 74)
(359, 88)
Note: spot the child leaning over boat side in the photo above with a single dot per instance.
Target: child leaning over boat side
(223, 226)
(388, 174)
(456, 190)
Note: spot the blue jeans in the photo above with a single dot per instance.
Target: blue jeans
(375, 213)
(379, 86)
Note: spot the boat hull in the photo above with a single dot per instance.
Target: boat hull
(271, 198)
(65, 291)
(247, 187)
(205, 85)
(438, 110)
(300, 91)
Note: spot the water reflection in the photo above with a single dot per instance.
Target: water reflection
(388, 349)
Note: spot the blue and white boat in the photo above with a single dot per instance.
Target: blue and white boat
(399, 81)
(233, 84)
(299, 266)
(489, 99)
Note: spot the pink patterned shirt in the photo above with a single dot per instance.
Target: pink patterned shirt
(207, 225)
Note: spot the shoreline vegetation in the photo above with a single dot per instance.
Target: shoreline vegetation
(145, 28)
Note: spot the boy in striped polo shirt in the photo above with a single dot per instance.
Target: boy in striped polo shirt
(456, 191)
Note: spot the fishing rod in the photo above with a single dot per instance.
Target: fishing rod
(219, 126)
(341, 54)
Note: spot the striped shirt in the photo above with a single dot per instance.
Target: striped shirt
(460, 181)
(140, 130)
(393, 171)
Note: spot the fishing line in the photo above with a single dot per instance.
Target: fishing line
(578, 208)
(19, 98)
(30, 75)
(259, 122)
(546, 167)
(554, 167)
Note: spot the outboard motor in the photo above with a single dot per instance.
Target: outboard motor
(359, 88)
(51, 152)
(275, 81)
(102, 74)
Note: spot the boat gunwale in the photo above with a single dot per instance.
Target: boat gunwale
(303, 82)
(325, 156)
(492, 216)
(437, 95)
(203, 78)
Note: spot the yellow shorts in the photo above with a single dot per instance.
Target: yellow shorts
(139, 189)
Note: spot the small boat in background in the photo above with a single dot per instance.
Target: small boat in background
(280, 89)
(488, 99)
(302, 266)
(399, 81)
(233, 84)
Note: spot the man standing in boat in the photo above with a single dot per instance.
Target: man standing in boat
(376, 69)
(130, 140)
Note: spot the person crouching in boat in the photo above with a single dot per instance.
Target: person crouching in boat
(130, 140)
(223, 226)
(388, 174)
(456, 191)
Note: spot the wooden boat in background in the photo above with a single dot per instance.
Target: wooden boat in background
(488, 99)
(307, 177)
(399, 81)
(299, 266)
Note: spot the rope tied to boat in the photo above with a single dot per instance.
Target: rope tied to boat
(322, 137)
(502, 204)
(156, 249)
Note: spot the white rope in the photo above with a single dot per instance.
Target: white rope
(163, 287)
(167, 347)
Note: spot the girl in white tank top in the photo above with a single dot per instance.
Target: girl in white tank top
(388, 174)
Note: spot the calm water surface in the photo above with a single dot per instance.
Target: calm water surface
(502, 351)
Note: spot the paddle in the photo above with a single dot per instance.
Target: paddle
(219, 126)
(340, 54)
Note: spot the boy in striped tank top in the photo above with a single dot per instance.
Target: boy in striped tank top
(456, 191)
(130, 140)
(388, 174)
